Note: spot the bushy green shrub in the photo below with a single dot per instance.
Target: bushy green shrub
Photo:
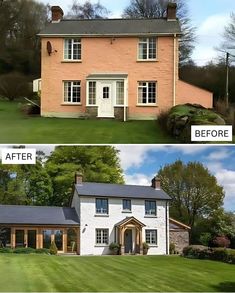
(42, 251)
(114, 247)
(203, 252)
(53, 248)
(24, 250)
(172, 248)
(196, 251)
(205, 238)
(5, 250)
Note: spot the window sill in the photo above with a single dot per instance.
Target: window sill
(129, 212)
(150, 216)
(91, 105)
(101, 245)
(101, 215)
(146, 105)
(147, 60)
(71, 104)
(153, 245)
(71, 61)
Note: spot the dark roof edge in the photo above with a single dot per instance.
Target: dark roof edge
(111, 35)
(40, 224)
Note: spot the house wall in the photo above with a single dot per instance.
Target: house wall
(180, 237)
(187, 93)
(89, 221)
(100, 55)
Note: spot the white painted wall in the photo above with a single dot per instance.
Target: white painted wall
(89, 221)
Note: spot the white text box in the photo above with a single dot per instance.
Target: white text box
(19, 156)
(211, 133)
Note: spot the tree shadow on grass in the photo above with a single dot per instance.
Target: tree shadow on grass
(225, 287)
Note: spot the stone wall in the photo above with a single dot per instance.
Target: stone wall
(180, 238)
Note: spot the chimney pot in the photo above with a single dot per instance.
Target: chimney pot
(57, 13)
(78, 178)
(156, 183)
(171, 11)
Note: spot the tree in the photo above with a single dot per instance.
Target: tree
(98, 164)
(19, 44)
(87, 11)
(158, 9)
(194, 191)
(229, 33)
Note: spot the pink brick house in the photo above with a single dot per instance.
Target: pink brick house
(113, 68)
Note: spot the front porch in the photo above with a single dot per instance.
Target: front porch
(65, 238)
(129, 236)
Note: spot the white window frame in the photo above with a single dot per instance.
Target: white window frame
(102, 243)
(124, 87)
(88, 94)
(146, 42)
(156, 236)
(147, 91)
(71, 97)
(72, 49)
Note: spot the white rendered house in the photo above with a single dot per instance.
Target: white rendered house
(125, 214)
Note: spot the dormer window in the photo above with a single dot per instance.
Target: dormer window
(72, 49)
(147, 49)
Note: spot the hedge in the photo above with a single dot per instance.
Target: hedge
(25, 250)
(202, 252)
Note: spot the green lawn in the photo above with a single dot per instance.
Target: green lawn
(20, 129)
(113, 274)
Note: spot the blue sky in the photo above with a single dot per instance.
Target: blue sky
(141, 162)
(209, 16)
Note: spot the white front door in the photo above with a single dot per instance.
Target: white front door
(105, 99)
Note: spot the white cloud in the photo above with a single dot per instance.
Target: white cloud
(138, 179)
(210, 36)
(219, 155)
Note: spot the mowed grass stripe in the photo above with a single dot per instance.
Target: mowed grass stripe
(40, 273)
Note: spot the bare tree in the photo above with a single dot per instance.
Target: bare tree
(87, 11)
(158, 9)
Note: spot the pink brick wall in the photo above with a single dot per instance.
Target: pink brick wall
(187, 93)
(100, 55)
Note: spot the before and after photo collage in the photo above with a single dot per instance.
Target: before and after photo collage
(117, 146)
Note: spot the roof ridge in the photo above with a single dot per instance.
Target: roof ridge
(107, 19)
(120, 184)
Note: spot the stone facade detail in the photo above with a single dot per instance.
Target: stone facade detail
(180, 238)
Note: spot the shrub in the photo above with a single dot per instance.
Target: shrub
(145, 248)
(172, 248)
(53, 248)
(114, 247)
(162, 119)
(42, 251)
(14, 85)
(221, 241)
(205, 239)
(30, 109)
(202, 252)
(6, 250)
(196, 251)
(24, 250)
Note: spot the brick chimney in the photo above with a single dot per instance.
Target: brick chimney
(171, 11)
(78, 178)
(57, 14)
(156, 183)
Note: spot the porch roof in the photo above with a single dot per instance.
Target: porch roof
(107, 75)
(38, 215)
(129, 219)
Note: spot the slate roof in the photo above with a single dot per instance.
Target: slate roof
(38, 215)
(120, 190)
(112, 27)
